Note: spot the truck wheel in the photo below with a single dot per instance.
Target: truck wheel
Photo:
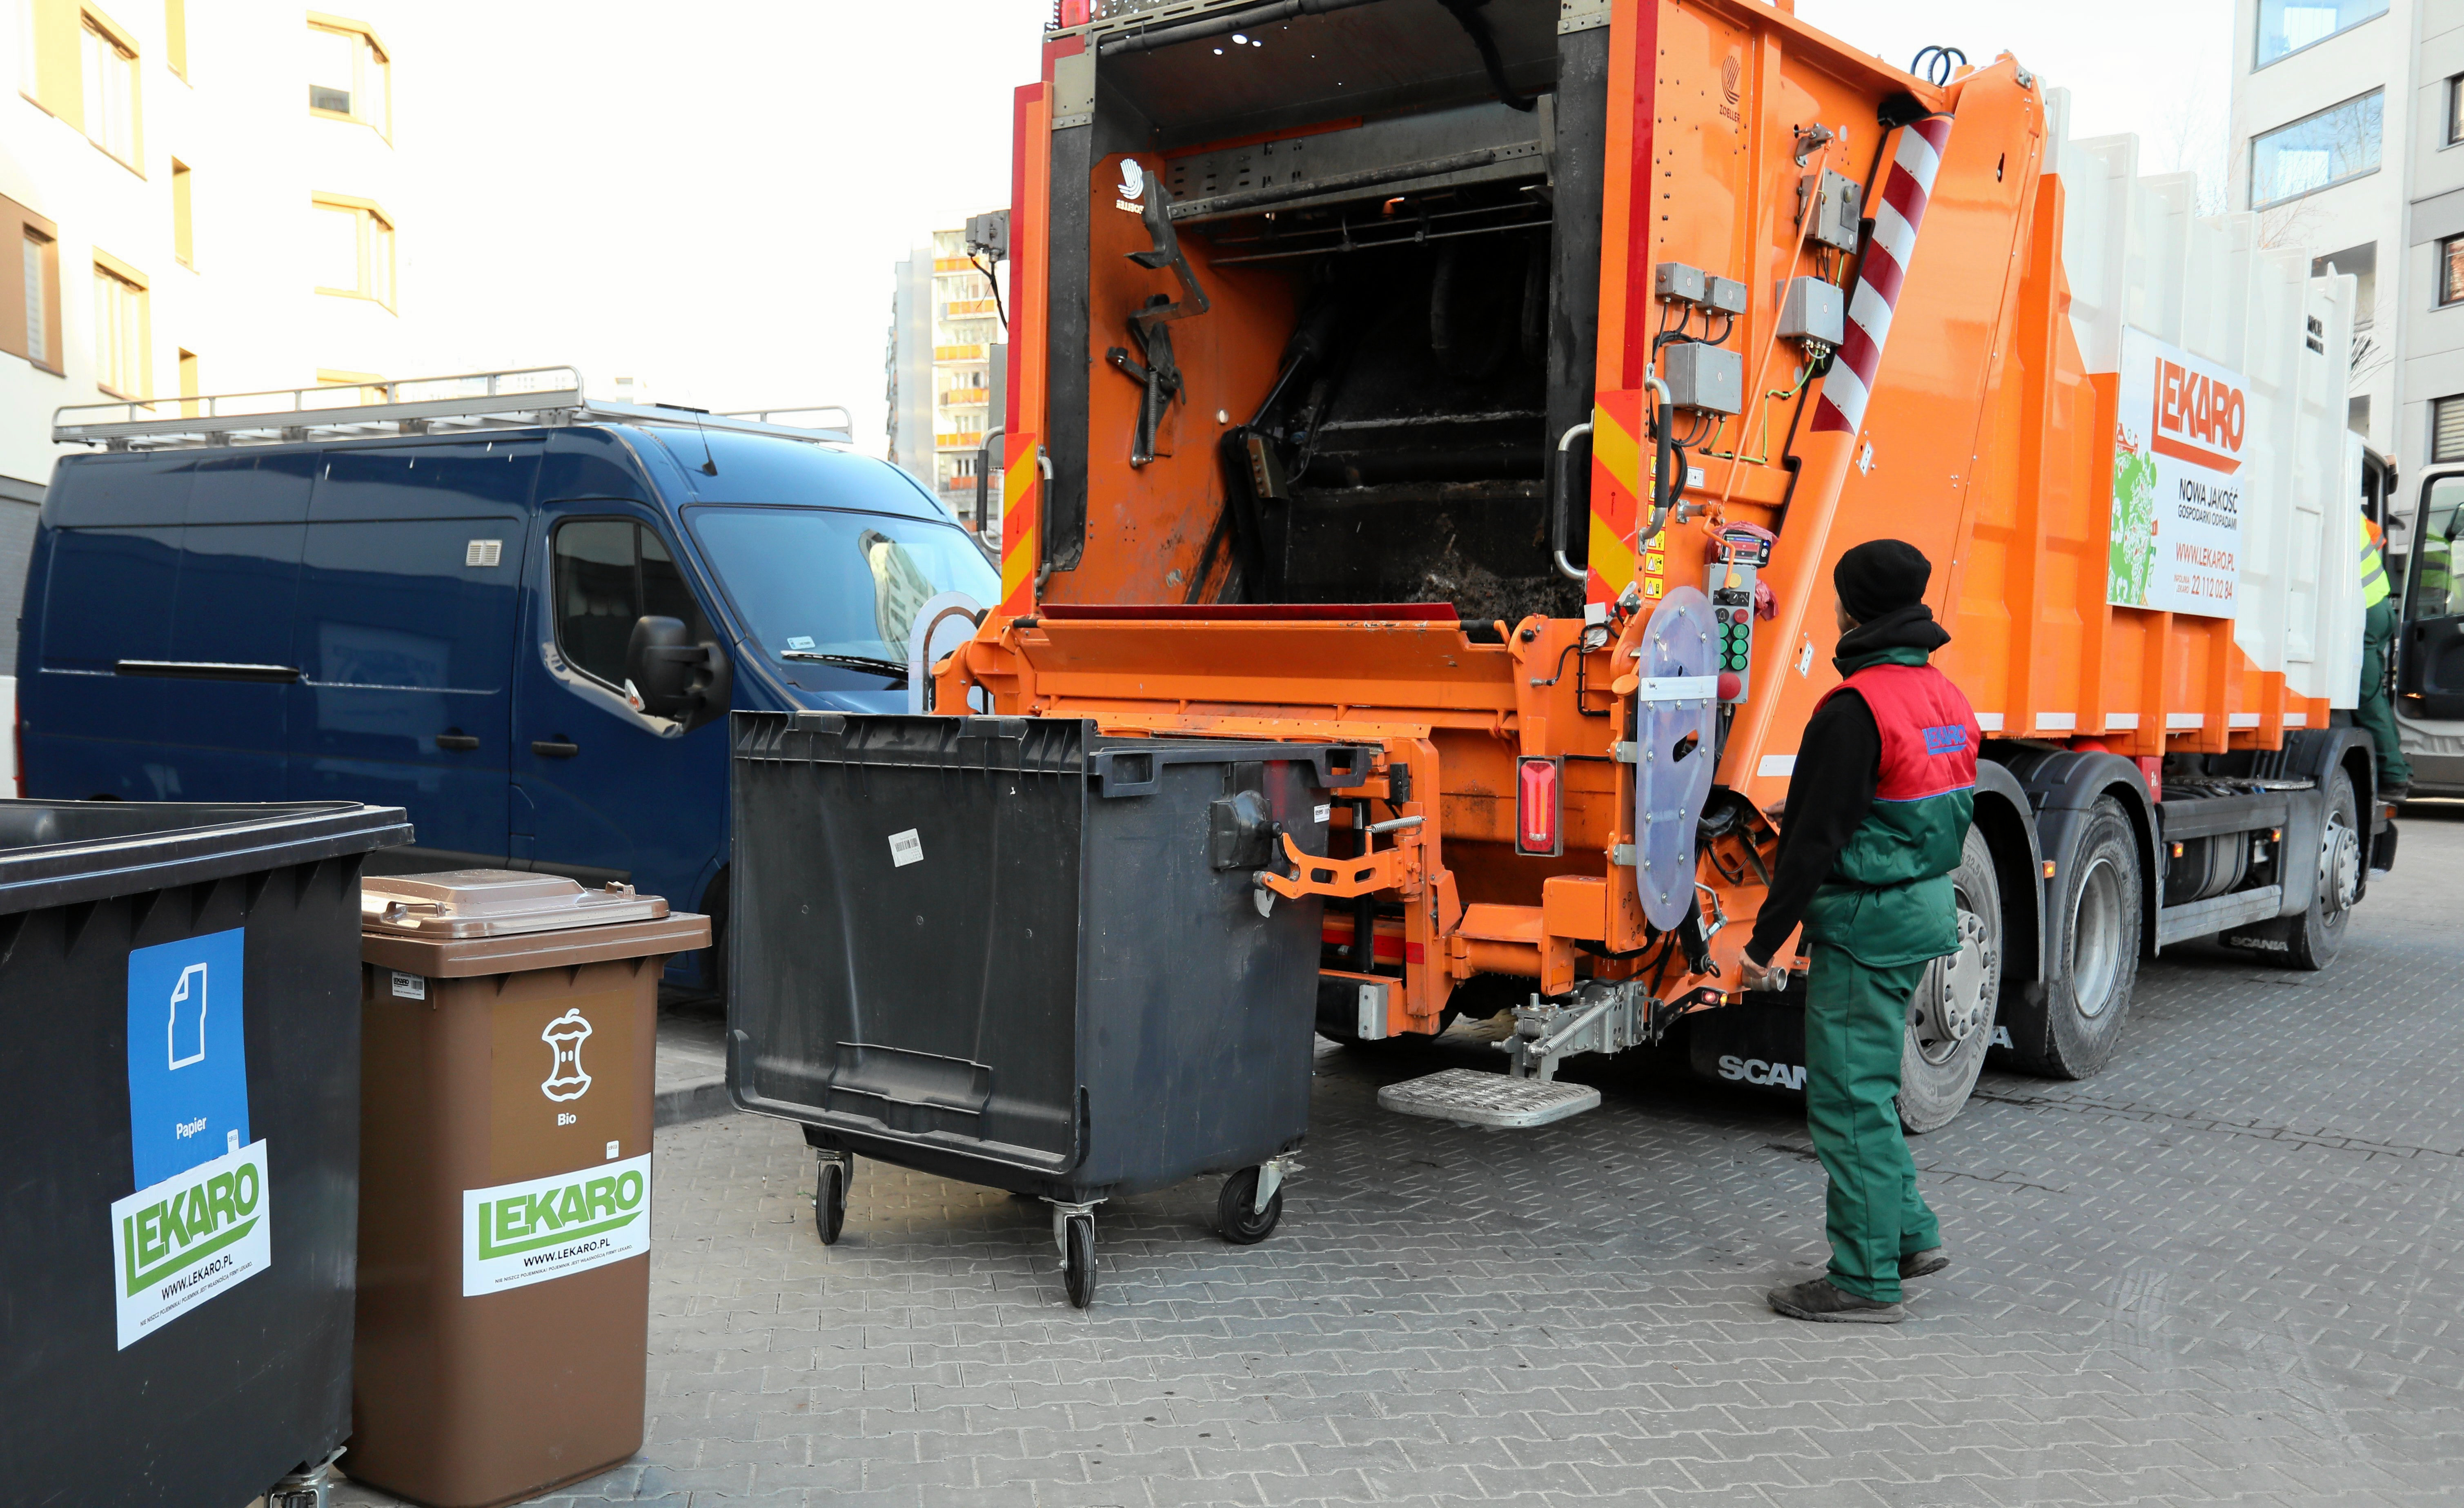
(2313, 937)
(2070, 1027)
(1951, 1019)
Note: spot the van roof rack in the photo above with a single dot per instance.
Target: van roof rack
(530, 398)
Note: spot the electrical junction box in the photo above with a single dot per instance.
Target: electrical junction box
(1724, 295)
(1811, 311)
(1677, 282)
(1705, 377)
(1839, 205)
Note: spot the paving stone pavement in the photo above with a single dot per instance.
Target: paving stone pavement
(2228, 1269)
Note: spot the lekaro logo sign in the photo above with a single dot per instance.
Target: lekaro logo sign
(2198, 417)
(564, 1037)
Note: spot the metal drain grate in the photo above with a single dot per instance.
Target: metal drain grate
(1469, 1097)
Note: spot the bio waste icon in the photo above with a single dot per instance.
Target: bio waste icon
(564, 1037)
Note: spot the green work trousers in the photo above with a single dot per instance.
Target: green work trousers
(1856, 1025)
(2375, 713)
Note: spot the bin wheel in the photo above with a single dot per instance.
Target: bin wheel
(1080, 1254)
(1237, 1213)
(829, 1200)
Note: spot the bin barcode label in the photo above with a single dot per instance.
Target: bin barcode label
(484, 552)
(905, 849)
(187, 1239)
(1325, 811)
(515, 1234)
(410, 986)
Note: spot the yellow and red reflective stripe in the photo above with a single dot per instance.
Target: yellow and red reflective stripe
(1021, 510)
(1617, 482)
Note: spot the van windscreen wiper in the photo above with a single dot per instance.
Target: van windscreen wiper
(872, 663)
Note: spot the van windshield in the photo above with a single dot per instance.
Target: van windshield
(810, 580)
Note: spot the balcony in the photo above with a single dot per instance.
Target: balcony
(955, 264)
(963, 397)
(964, 440)
(968, 308)
(962, 353)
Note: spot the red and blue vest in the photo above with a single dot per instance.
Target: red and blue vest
(1887, 899)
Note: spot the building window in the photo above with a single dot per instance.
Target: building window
(110, 76)
(2447, 429)
(2318, 152)
(2288, 26)
(2456, 110)
(2451, 271)
(184, 225)
(119, 344)
(349, 74)
(351, 249)
(189, 384)
(40, 340)
(175, 35)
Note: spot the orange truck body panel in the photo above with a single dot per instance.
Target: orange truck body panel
(1986, 441)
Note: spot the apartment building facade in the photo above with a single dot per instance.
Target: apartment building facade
(196, 196)
(947, 348)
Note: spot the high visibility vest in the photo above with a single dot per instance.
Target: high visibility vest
(2374, 580)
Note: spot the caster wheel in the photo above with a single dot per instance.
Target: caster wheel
(1236, 1212)
(829, 1200)
(1080, 1247)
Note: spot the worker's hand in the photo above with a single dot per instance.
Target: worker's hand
(1760, 976)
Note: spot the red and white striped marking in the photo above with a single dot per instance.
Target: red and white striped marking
(1850, 382)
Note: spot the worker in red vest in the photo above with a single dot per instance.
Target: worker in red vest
(1878, 809)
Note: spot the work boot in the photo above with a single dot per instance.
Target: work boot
(2393, 790)
(1924, 1264)
(1820, 1299)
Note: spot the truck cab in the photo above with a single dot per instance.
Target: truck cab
(2430, 646)
(520, 616)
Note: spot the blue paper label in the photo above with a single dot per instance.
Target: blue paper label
(187, 1054)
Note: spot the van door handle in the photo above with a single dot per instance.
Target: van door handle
(554, 748)
(463, 742)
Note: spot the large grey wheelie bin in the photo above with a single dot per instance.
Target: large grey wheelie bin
(178, 1144)
(1017, 953)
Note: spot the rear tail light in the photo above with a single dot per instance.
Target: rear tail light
(1539, 805)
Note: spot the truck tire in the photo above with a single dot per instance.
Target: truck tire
(2313, 937)
(2070, 1028)
(1950, 1021)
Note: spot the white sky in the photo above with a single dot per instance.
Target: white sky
(711, 197)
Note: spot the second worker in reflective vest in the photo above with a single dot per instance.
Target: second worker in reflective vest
(1878, 808)
(2373, 711)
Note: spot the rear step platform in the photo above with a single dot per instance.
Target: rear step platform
(1467, 1096)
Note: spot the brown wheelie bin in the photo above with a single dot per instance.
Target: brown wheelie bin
(510, 1023)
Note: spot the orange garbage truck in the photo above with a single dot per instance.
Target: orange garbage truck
(1491, 385)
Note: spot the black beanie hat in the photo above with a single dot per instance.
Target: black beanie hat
(1880, 576)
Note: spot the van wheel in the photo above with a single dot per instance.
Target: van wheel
(2070, 1028)
(2313, 937)
(1950, 1021)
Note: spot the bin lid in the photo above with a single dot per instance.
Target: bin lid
(495, 903)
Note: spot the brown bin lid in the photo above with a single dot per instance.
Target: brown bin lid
(470, 922)
(495, 903)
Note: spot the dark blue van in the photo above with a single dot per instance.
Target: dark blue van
(484, 627)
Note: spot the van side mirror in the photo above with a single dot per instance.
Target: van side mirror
(668, 676)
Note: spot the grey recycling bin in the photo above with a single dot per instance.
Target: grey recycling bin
(1019, 953)
(180, 1051)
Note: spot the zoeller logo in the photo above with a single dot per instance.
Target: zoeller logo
(564, 1037)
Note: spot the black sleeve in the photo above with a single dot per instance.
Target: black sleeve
(1839, 762)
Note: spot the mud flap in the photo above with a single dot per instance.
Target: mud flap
(1676, 745)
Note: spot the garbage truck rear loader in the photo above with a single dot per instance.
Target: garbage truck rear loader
(1494, 384)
